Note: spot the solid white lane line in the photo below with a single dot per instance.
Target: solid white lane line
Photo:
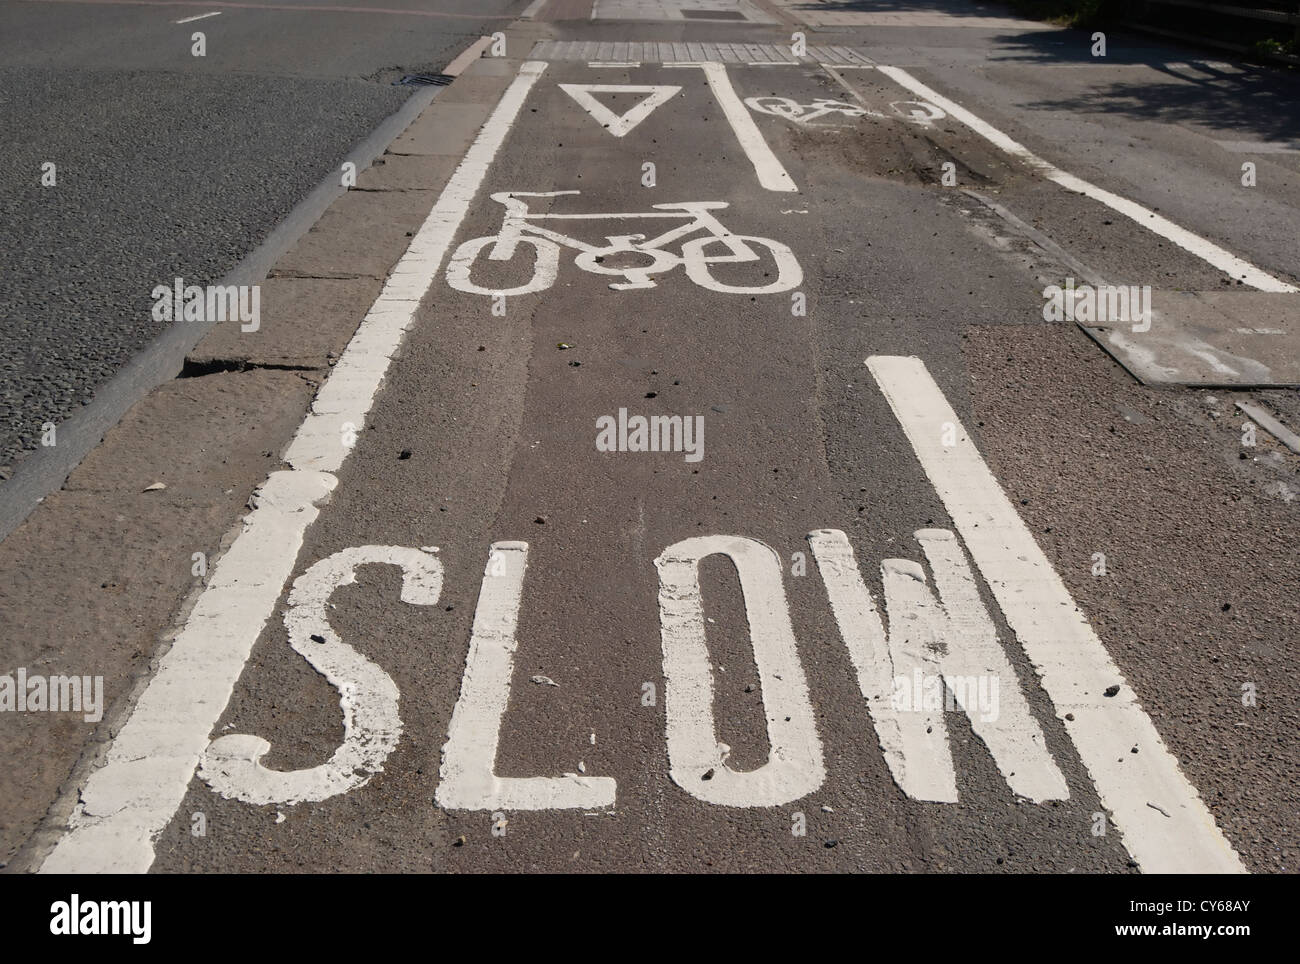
(346, 397)
(771, 174)
(133, 794)
(1074, 667)
(202, 16)
(131, 797)
(1207, 251)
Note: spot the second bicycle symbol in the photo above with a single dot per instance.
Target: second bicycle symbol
(699, 243)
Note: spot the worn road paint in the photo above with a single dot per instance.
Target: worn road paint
(469, 756)
(771, 173)
(1207, 251)
(620, 124)
(367, 695)
(697, 762)
(950, 637)
(129, 799)
(202, 16)
(1074, 667)
(133, 794)
(915, 745)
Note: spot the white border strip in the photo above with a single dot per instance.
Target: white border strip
(1207, 251)
(129, 800)
(771, 174)
(466, 57)
(1163, 823)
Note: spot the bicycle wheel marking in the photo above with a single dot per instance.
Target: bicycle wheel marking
(704, 242)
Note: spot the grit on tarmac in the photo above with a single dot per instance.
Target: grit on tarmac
(665, 456)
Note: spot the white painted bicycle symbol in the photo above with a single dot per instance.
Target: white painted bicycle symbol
(805, 113)
(698, 255)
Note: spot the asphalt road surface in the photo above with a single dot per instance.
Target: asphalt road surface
(667, 458)
(170, 164)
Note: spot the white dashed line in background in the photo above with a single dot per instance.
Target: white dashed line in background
(202, 16)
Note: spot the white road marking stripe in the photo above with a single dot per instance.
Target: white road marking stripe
(466, 57)
(202, 16)
(1207, 251)
(771, 174)
(467, 780)
(347, 395)
(697, 761)
(532, 10)
(1074, 667)
(133, 795)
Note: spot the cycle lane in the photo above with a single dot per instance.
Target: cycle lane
(487, 431)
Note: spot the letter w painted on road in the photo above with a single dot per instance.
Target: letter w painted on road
(951, 638)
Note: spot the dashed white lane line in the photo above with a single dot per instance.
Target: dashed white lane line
(202, 16)
(1163, 823)
(533, 9)
(771, 174)
(1207, 251)
(144, 775)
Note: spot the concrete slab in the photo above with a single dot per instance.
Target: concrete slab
(1229, 339)
(304, 322)
(361, 235)
(407, 172)
(90, 583)
(443, 129)
(198, 436)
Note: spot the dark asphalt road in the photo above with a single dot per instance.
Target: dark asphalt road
(169, 165)
(441, 730)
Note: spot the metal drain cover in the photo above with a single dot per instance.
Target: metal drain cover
(713, 15)
(424, 80)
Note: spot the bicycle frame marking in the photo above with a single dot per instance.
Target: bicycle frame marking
(519, 226)
(806, 113)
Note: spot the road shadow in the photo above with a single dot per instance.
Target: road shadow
(1251, 101)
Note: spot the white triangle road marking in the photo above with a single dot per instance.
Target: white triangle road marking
(619, 124)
